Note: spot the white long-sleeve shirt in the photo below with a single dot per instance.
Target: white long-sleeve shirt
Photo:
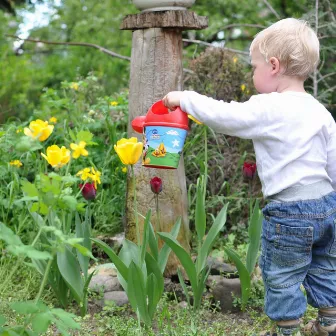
(294, 136)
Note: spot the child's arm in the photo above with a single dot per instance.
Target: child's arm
(237, 119)
(331, 160)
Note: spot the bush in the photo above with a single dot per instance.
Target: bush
(221, 75)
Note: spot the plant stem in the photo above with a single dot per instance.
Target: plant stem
(250, 195)
(37, 237)
(139, 320)
(205, 161)
(44, 280)
(135, 208)
(158, 224)
(9, 277)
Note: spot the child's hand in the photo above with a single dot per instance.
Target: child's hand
(172, 99)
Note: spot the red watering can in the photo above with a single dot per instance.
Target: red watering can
(164, 135)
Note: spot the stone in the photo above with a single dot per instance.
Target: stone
(104, 269)
(183, 304)
(114, 242)
(174, 289)
(105, 283)
(224, 290)
(218, 267)
(118, 297)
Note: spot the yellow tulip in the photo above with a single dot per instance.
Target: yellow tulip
(129, 150)
(57, 157)
(124, 170)
(39, 129)
(79, 149)
(16, 163)
(194, 119)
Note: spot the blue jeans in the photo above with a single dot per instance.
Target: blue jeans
(299, 247)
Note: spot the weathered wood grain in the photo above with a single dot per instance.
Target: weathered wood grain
(156, 69)
(181, 19)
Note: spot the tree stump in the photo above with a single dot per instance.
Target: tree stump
(156, 69)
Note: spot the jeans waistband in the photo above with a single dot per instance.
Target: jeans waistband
(304, 192)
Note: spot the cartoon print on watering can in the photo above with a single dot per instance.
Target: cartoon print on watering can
(164, 134)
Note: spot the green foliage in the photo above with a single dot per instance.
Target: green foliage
(197, 271)
(82, 114)
(17, 248)
(141, 273)
(25, 74)
(245, 271)
(39, 318)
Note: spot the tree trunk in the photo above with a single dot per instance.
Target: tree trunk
(156, 69)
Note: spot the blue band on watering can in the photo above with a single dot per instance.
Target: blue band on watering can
(163, 146)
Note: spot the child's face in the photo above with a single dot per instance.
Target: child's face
(263, 79)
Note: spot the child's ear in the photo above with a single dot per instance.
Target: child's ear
(275, 65)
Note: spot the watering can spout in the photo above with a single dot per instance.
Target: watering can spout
(138, 124)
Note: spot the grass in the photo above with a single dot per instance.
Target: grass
(171, 318)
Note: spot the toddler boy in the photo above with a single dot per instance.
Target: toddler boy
(294, 139)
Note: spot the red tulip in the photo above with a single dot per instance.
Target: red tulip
(156, 185)
(249, 170)
(88, 191)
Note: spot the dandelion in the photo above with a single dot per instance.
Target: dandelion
(114, 103)
(84, 173)
(19, 130)
(95, 176)
(16, 163)
(235, 59)
(39, 129)
(243, 87)
(74, 86)
(79, 150)
(57, 157)
(53, 120)
(90, 173)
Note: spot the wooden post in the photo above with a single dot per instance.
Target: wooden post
(156, 69)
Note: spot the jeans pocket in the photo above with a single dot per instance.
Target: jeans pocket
(332, 250)
(291, 245)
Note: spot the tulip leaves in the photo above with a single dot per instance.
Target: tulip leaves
(245, 271)
(141, 273)
(197, 272)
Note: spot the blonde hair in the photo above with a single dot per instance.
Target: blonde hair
(293, 43)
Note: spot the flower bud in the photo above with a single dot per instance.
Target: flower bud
(88, 191)
(156, 185)
(249, 170)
